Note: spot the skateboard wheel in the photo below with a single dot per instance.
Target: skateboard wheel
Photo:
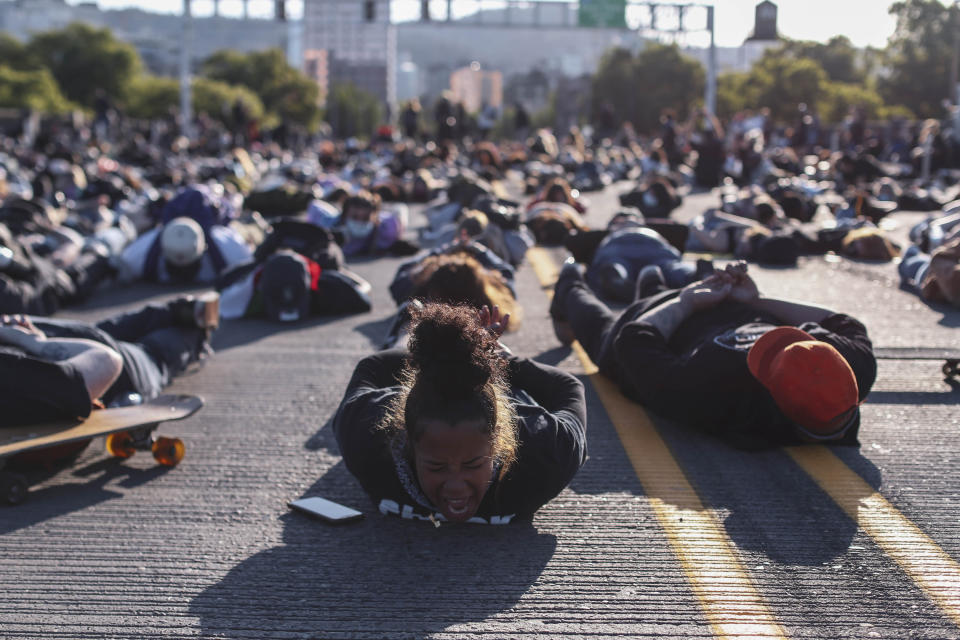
(13, 488)
(168, 451)
(120, 444)
(950, 369)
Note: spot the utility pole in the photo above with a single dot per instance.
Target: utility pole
(955, 58)
(711, 98)
(186, 57)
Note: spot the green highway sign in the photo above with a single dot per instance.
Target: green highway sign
(603, 13)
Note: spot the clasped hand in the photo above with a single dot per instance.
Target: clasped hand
(732, 283)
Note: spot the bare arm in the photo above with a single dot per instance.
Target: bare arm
(98, 365)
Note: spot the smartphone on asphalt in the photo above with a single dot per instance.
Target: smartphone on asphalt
(325, 510)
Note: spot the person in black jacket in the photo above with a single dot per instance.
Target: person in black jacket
(455, 430)
(716, 355)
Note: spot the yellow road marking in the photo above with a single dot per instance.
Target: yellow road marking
(730, 601)
(922, 559)
(936, 573)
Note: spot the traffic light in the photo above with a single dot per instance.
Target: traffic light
(369, 10)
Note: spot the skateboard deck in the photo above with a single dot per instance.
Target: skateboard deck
(127, 429)
(949, 357)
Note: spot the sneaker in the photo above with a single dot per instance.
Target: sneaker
(564, 332)
(202, 312)
(615, 282)
(570, 273)
(705, 268)
(650, 281)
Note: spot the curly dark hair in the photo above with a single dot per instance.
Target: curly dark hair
(454, 373)
(459, 278)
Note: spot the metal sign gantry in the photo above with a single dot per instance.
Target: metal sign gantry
(655, 18)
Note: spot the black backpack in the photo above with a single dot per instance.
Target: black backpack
(307, 239)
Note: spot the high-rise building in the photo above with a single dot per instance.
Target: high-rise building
(475, 87)
(359, 40)
(317, 68)
(540, 35)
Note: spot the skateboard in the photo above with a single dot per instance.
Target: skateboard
(127, 429)
(950, 357)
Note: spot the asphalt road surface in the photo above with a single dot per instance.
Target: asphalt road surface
(664, 533)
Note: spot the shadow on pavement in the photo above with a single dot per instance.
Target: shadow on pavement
(767, 503)
(917, 397)
(380, 577)
(787, 517)
(242, 331)
(553, 356)
(323, 439)
(122, 295)
(375, 330)
(69, 497)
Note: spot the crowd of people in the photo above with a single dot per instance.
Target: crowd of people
(444, 422)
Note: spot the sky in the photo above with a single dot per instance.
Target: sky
(864, 22)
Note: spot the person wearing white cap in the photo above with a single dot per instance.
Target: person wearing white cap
(182, 242)
(181, 251)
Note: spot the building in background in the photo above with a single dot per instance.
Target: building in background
(544, 36)
(409, 79)
(316, 66)
(416, 58)
(475, 87)
(157, 37)
(742, 58)
(359, 40)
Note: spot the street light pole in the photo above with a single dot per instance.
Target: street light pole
(711, 97)
(186, 57)
(955, 58)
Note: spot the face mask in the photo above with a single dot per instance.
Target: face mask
(357, 229)
(184, 273)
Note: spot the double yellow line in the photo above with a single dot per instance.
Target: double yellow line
(727, 595)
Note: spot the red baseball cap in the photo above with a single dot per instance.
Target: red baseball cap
(809, 380)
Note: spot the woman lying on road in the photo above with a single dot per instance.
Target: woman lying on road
(457, 429)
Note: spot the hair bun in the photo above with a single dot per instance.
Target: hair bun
(451, 350)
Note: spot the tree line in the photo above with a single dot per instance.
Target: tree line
(910, 77)
(65, 69)
(75, 67)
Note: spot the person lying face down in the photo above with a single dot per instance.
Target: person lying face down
(455, 430)
(368, 230)
(717, 356)
(459, 278)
